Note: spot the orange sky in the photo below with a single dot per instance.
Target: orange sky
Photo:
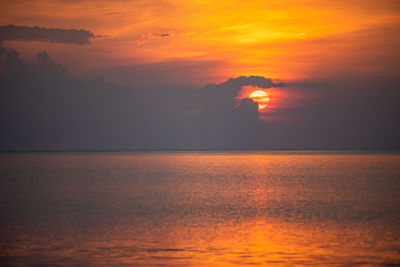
(278, 39)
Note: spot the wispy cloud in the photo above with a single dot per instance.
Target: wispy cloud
(54, 35)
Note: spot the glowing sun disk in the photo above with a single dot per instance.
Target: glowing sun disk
(261, 98)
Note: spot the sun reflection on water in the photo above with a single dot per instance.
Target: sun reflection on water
(200, 209)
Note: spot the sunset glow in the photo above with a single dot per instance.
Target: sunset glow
(308, 53)
(199, 133)
(218, 39)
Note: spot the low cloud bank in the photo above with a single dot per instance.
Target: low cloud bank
(43, 108)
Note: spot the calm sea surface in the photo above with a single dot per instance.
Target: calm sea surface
(200, 209)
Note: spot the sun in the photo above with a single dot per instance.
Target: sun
(261, 98)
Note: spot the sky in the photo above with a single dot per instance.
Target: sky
(122, 75)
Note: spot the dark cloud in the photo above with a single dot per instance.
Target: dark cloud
(25, 33)
(357, 113)
(44, 108)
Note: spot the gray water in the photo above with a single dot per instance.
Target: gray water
(337, 208)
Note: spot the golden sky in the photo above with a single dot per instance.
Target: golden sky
(278, 39)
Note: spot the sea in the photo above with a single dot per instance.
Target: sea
(200, 208)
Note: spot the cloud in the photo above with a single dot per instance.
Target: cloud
(43, 108)
(146, 37)
(54, 35)
(224, 94)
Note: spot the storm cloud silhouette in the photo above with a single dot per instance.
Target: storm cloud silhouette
(43, 108)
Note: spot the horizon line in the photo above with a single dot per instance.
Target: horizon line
(194, 150)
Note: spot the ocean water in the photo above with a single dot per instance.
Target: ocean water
(336, 208)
